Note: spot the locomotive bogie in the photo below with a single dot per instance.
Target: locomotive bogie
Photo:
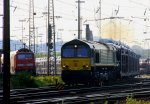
(76, 76)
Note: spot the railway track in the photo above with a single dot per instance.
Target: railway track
(91, 97)
(73, 95)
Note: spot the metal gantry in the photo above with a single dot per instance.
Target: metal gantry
(51, 39)
(31, 26)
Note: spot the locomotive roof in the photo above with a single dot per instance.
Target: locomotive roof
(24, 50)
(117, 44)
(20, 51)
(92, 44)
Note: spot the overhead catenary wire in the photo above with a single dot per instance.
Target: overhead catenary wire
(71, 16)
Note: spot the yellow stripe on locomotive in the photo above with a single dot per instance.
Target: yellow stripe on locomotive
(75, 63)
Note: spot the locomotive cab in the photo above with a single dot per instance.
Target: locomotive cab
(75, 56)
(75, 61)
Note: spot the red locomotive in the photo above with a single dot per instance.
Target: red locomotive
(22, 60)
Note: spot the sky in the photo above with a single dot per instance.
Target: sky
(130, 25)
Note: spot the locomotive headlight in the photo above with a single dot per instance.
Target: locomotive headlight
(85, 66)
(65, 66)
(75, 46)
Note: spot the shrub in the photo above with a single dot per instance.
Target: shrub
(130, 100)
(22, 80)
(26, 80)
(47, 80)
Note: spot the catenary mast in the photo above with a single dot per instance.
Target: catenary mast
(31, 26)
(51, 39)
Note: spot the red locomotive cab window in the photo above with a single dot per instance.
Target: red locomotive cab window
(24, 56)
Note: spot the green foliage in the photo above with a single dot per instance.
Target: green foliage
(22, 80)
(130, 100)
(106, 102)
(38, 55)
(47, 80)
(26, 80)
(58, 53)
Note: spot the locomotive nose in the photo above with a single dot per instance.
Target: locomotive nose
(75, 64)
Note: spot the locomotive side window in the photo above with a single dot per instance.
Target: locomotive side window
(96, 57)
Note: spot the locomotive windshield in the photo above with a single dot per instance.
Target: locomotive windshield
(68, 52)
(24, 56)
(75, 51)
(82, 51)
